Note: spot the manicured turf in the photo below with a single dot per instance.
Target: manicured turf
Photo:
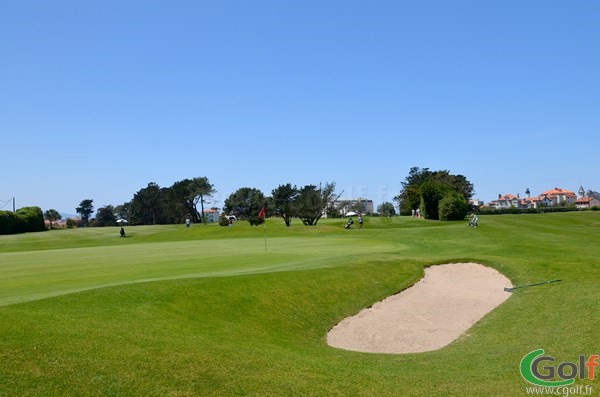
(205, 310)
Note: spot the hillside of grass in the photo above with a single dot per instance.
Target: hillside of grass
(206, 311)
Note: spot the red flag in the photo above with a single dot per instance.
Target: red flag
(261, 214)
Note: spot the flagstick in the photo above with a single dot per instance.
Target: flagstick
(265, 229)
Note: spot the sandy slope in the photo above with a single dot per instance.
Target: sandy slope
(427, 316)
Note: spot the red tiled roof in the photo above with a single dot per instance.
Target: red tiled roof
(558, 191)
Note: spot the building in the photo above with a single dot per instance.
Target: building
(364, 206)
(534, 202)
(211, 216)
(506, 201)
(558, 196)
(587, 199)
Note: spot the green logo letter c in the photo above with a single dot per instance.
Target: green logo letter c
(527, 373)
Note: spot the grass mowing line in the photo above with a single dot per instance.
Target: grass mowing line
(39, 274)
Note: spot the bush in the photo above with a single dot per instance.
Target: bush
(26, 219)
(223, 221)
(30, 219)
(453, 207)
(8, 222)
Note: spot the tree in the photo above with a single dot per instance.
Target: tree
(203, 190)
(432, 192)
(85, 209)
(51, 216)
(122, 211)
(105, 216)
(183, 200)
(246, 203)
(149, 206)
(311, 203)
(424, 188)
(284, 197)
(386, 209)
(186, 195)
(410, 194)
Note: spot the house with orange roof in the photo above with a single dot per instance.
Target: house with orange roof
(535, 202)
(587, 200)
(558, 196)
(506, 201)
(211, 215)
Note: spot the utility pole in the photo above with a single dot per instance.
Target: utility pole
(14, 210)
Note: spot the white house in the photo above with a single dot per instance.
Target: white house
(211, 215)
(506, 201)
(347, 205)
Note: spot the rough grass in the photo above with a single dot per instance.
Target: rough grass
(224, 317)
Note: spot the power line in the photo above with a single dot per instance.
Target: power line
(6, 203)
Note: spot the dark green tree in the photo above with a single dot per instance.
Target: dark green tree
(312, 202)
(432, 192)
(386, 209)
(203, 191)
(283, 199)
(149, 206)
(85, 209)
(52, 216)
(122, 211)
(186, 194)
(246, 203)
(424, 188)
(105, 216)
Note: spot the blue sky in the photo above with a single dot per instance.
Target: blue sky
(99, 98)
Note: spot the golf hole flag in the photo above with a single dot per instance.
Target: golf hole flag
(261, 215)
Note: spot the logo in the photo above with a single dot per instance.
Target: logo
(541, 370)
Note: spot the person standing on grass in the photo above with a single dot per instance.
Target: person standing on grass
(122, 232)
(360, 221)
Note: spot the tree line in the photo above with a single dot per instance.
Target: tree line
(438, 194)
(155, 205)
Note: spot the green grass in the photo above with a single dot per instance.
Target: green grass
(206, 311)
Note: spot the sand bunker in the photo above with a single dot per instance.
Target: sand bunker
(427, 316)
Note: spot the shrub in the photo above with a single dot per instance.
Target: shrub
(223, 221)
(26, 219)
(30, 219)
(8, 221)
(453, 207)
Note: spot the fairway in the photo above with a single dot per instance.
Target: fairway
(207, 311)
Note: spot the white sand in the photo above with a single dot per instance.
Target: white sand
(427, 316)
